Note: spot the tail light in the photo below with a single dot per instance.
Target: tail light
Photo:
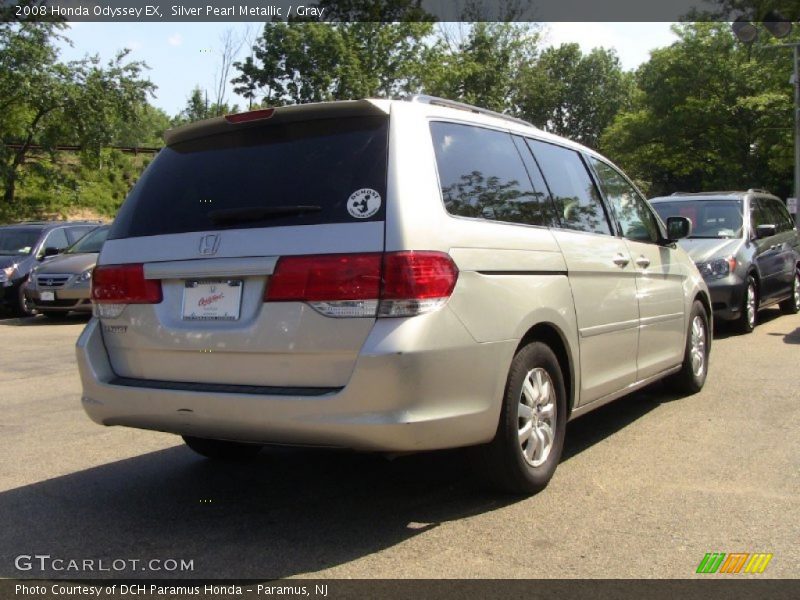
(115, 286)
(394, 284)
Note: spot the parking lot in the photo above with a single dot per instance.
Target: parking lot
(647, 485)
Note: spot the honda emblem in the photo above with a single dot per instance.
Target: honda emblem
(209, 244)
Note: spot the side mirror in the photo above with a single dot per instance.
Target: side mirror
(678, 228)
(51, 251)
(763, 231)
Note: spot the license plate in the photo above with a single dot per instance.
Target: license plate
(218, 300)
(47, 296)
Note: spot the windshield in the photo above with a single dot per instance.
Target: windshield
(712, 219)
(91, 242)
(16, 242)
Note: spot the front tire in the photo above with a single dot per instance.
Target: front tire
(747, 321)
(530, 435)
(692, 376)
(791, 306)
(24, 307)
(222, 449)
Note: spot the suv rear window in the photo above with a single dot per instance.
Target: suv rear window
(257, 176)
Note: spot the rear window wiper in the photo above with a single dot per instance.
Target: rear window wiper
(229, 216)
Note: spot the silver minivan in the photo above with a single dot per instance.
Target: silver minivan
(387, 276)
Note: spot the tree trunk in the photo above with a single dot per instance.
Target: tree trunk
(19, 158)
(10, 186)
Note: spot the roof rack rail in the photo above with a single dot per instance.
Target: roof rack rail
(708, 193)
(436, 101)
(759, 190)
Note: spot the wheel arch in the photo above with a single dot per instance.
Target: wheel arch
(706, 302)
(551, 335)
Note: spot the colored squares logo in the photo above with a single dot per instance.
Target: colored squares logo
(734, 563)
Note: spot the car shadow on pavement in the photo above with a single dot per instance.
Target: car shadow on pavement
(726, 329)
(39, 320)
(789, 338)
(287, 512)
(603, 422)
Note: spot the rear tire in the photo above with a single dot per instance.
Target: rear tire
(692, 376)
(791, 306)
(747, 321)
(222, 449)
(530, 435)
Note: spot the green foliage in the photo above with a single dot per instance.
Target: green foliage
(46, 102)
(572, 94)
(710, 113)
(481, 67)
(312, 62)
(66, 186)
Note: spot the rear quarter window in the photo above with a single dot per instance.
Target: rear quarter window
(482, 175)
(338, 165)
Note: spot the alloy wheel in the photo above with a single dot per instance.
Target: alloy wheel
(751, 305)
(698, 346)
(536, 416)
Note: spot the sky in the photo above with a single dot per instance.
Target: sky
(184, 55)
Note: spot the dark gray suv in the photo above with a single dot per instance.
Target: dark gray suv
(24, 246)
(745, 245)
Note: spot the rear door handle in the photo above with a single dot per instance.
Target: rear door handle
(643, 262)
(620, 260)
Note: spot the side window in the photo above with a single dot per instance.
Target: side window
(76, 233)
(635, 217)
(758, 215)
(56, 239)
(482, 175)
(577, 202)
(782, 218)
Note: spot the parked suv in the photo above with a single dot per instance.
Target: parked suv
(386, 276)
(63, 283)
(24, 246)
(747, 248)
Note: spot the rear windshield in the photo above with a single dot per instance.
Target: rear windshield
(303, 173)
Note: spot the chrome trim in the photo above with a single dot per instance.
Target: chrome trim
(609, 328)
(214, 267)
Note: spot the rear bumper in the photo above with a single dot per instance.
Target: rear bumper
(397, 400)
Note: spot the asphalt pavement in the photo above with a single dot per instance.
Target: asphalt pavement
(647, 486)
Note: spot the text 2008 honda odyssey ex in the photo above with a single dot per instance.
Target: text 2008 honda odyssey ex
(386, 276)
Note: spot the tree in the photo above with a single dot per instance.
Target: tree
(146, 130)
(231, 45)
(46, 102)
(709, 113)
(481, 66)
(311, 62)
(572, 94)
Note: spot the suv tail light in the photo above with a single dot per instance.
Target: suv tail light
(115, 286)
(392, 284)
